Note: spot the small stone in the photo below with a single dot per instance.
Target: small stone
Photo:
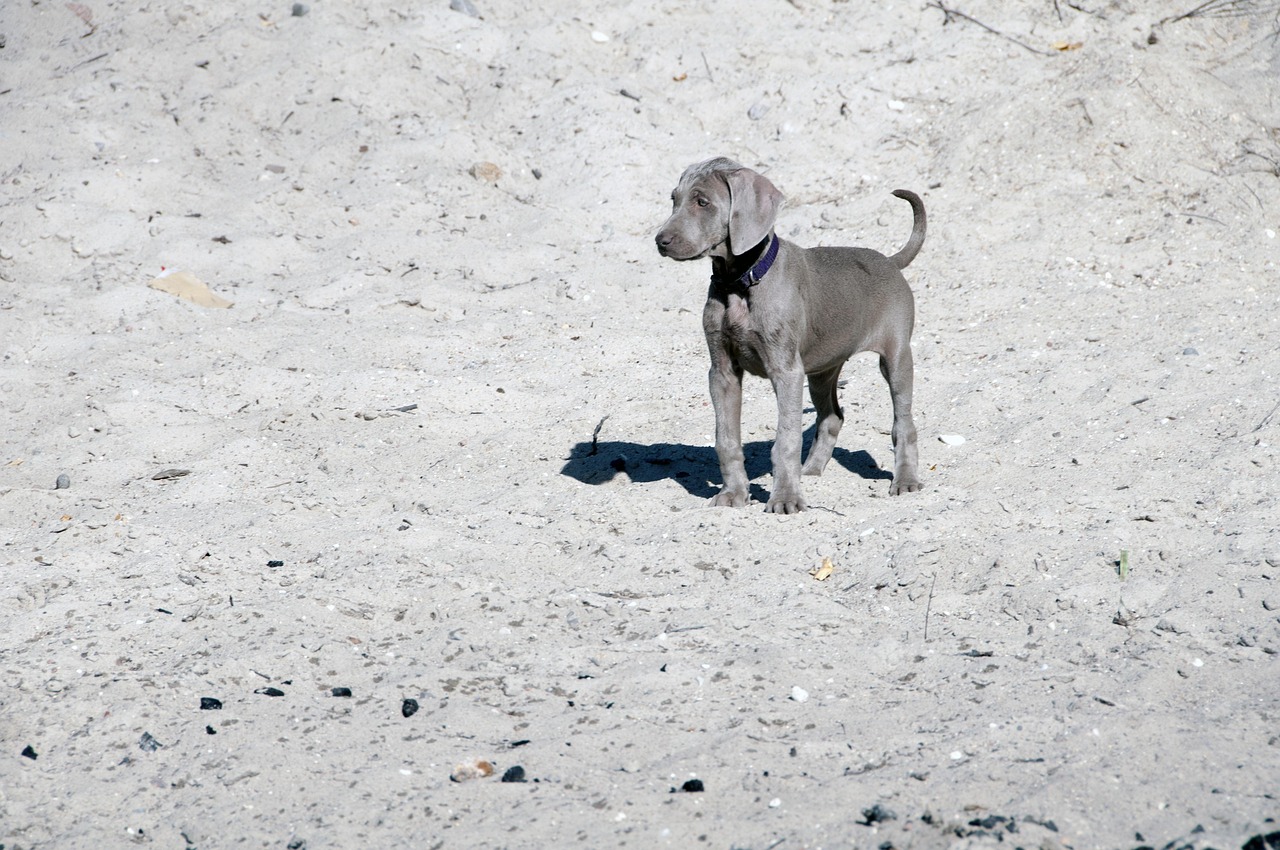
(210, 704)
(486, 171)
(63, 482)
(1189, 351)
(270, 692)
(693, 786)
(478, 769)
(409, 708)
(775, 802)
(169, 474)
(515, 773)
(27, 752)
(466, 7)
(897, 105)
(799, 694)
(599, 37)
(340, 692)
(758, 110)
(274, 564)
(877, 814)
(300, 9)
(209, 730)
(951, 439)
(148, 744)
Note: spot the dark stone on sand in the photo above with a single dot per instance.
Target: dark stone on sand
(515, 773)
(340, 692)
(270, 692)
(210, 704)
(409, 707)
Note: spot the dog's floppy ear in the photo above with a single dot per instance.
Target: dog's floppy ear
(753, 208)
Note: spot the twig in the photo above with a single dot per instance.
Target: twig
(707, 65)
(1266, 419)
(595, 435)
(928, 607)
(949, 14)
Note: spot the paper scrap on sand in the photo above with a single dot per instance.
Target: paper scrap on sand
(823, 572)
(188, 286)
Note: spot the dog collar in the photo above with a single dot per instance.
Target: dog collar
(761, 267)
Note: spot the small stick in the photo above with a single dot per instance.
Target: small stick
(929, 607)
(1266, 418)
(1124, 564)
(956, 13)
(595, 435)
(707, 65)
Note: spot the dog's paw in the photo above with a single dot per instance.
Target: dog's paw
(911, 485)
(792, 504)
(729, 499)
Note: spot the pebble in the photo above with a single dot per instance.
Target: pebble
(897, 105)
(466, 7)
(951, 439)
(693, 786)
(775, 802)
(486, 171)
(878, 814)
(515, 773)
(209, 730)
(148, 744)
(409, 707)
(270, 692)
(799, 694)
(478, 769)
(29, 753)
(300, 9)
(1189, 351)
(210, 704)
(758, 111)
(340, 692)
(599, 37)
(63, 482)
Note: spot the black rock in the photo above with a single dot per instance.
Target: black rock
(210, 704)
(209, 730)
(515, 773)
(409, 707)
(300, 9)
(340, 692)
(27, 752)
(270, 692)
(1270, 841)
(274, 564)
(693, 786)
(877, 814)
(148, 744)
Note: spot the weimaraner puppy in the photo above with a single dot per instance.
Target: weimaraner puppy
(782, 312)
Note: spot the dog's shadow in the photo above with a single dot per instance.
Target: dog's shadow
(695, 468)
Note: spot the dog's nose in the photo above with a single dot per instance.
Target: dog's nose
(664, 241)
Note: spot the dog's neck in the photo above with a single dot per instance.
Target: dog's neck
(747, 269)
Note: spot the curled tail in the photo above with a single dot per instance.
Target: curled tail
(908, 253)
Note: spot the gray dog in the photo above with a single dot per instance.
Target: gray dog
(782, 312)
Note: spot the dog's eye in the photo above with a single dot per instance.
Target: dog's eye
(702, 202)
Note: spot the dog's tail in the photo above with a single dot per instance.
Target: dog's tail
(908, 253)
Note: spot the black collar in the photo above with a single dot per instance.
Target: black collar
(758, 270)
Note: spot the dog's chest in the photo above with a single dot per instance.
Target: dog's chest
(741, 336)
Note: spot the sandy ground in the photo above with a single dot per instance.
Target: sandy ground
(436, 230)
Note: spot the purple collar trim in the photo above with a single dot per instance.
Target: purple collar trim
(761, 266)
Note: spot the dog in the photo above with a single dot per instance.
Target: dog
(783, 312)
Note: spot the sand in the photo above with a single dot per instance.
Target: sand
(452, 441)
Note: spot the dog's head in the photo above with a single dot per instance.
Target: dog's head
(719, 209)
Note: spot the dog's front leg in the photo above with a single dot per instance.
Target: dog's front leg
(788, 386)
(726, 399)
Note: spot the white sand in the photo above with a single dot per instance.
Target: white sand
(1097, 317)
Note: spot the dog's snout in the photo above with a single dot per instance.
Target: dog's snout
(663, 240)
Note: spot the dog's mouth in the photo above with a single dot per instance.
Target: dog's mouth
(681, 253)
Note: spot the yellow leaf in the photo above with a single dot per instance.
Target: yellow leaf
(823, 572)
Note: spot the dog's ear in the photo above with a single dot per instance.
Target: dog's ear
(753, 208)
